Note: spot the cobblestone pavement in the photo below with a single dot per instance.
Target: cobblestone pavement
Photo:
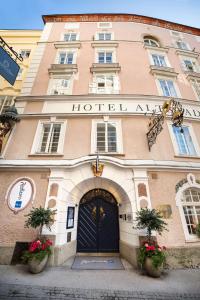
(21, 292)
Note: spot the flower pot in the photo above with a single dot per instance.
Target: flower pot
(150, 269)
(37, 266)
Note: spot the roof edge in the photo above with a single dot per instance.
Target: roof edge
(120, 17)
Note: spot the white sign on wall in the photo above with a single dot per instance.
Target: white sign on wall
(20, 193)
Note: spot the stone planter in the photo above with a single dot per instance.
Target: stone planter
(36, 266)
(151, 270)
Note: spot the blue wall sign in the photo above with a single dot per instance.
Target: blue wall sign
(8, 67)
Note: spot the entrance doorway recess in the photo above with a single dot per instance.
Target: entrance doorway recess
(98, 225)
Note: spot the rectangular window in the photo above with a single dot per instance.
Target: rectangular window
(25, 53)
(105, 84)
(60, 86)
(104, 25)
(106, 137)
(5, 102)
(69, 37)
(49, 138)
(159, 60)
(182, 45)
(196, 87)
(105, 57)
(66, 58)
(168, 88)
(184, 141)
(104, 36)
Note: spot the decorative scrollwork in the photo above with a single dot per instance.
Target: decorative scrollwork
(170, 107)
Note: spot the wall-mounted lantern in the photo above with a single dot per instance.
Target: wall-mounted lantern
(7, 121)
(171, 108)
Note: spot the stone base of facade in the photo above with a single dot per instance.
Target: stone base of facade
(183, 257)
(129, 252)
(6, 254)
(176, 257)
(61, 253)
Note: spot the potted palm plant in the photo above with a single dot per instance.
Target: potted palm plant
(39, 250)
(151, 256)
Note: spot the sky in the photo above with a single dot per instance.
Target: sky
(26, 14)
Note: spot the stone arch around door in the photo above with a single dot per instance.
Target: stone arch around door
(98, 224)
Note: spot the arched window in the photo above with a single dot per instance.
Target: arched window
(190, 201)
(151, 41)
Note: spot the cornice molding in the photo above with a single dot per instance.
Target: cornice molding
(99, 97)
(123, 163)
(109, 17)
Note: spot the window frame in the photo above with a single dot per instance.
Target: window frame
(151, 39)
(94, 85)
(104, 27)
(175, 144)
(119, 143)
(25, 50)
(160, 92)
(99, 50)
(70, 33)
(104, 32)
(194, 81)
(66, 51)
(38, 138)
(189, 184)
(51, 83)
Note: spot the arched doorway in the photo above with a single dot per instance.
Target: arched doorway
(98, 226)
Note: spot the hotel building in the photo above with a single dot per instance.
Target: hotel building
(93, 83)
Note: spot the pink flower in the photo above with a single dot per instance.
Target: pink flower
(146, 245)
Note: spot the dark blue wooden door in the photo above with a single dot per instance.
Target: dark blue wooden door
(98, 227)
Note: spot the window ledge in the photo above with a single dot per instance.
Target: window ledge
(187, 52)
(46, 154)
(191, 74)
(106, 67)
(63, 44)
(164, 49)
(104, 44)
(108, 154)
(63, 69)
(167, 71)
(187, 156)
(192, 240)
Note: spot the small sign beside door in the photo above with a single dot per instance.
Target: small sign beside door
(70, 217)
(19, 194)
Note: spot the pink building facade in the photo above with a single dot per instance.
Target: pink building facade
(93, 83)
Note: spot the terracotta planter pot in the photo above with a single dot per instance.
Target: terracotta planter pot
(151, 270)
(36, 266)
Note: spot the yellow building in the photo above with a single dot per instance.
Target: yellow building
(24, 42)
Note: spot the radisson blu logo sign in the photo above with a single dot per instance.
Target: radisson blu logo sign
(8, 67)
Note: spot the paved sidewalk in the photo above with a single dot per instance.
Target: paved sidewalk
(64, 283)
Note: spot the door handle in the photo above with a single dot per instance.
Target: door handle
(94, 212)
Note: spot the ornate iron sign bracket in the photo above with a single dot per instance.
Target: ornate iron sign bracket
(97, 167)
(172, 107)
(10, 50)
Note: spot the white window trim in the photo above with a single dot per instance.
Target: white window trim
(97, 50)
(72, 25)
(93, 86)
(104, 32)
(157, 52)
(160, 92)
(109, 25)
(118, 132)
(178, 36)
(71, 81)
(182, 40)
(77, 37)
(66, 50)
(189, 184)
(193, 88)
(174, 142)
(192, 59)
(37, 138)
